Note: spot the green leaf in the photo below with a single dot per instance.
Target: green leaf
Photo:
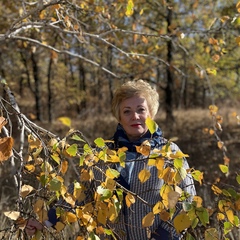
(178, 163)
(72, 150)
(77, 138)
(203, 215)
(99, 142)
(152, 125)
(65, 121)
(55, 185)
(223, 168)
(56, 158)
(227, 227)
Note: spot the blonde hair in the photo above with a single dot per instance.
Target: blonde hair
(135, 88)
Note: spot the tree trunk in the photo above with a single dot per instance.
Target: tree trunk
(169, 87)
(37, 91)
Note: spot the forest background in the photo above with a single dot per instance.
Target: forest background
(65, 58)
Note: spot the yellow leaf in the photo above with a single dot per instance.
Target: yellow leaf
(223, 168)
(65, 121)
(152, 125)
(13, 215)
(70, 217)
(33, 143)
(173, 199)
(158, 207)
(160, 163)
(112, 212)
(59, 226)
(30, 167)
(168, 175)
(216, 190)
(38, 206)
(25, 190)
(164, 194)
(164, 215)
(148, 220)
(230, 216)
(64, 167)
(144, 175)
(102, 214)
(6, 145)
(129, 199)
(198, 201)
(85, 175)
(144, 148)
(110, 184)
(129, 9)
(181, 222)
(112, 173)
(220, 216)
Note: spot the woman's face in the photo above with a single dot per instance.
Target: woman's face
(133, 114)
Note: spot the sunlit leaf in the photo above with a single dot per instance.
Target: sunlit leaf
(129, 9)
(227, 227)
(110, 184)
(6, 145)
(25, 190)
(30, 167)
(112, 173)
(148, 220)
(144, 175)
(152, 125)
(64, 167)
(13, 215)
(65, 121)
(223, 168)
(216, 190)
(72, 150)
(77, 138)
(129, 199)
(181, 222)
(165, 190)
(197, 175)
(230, 215)
(99, 142)
(198, 200)
(158, 207)
(144, 148)
(56, 158)
(220, 216)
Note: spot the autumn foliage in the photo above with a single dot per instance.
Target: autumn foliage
(45, 160)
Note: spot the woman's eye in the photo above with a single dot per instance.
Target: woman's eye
(126, 111)
(141, 110)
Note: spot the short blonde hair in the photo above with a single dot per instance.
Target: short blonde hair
(135, 88)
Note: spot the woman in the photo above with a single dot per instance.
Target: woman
(132, 104)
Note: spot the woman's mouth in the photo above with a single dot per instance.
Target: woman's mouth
(136, 125)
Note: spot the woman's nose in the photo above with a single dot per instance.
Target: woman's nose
(135, 115)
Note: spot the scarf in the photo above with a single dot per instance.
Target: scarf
(121, 140)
